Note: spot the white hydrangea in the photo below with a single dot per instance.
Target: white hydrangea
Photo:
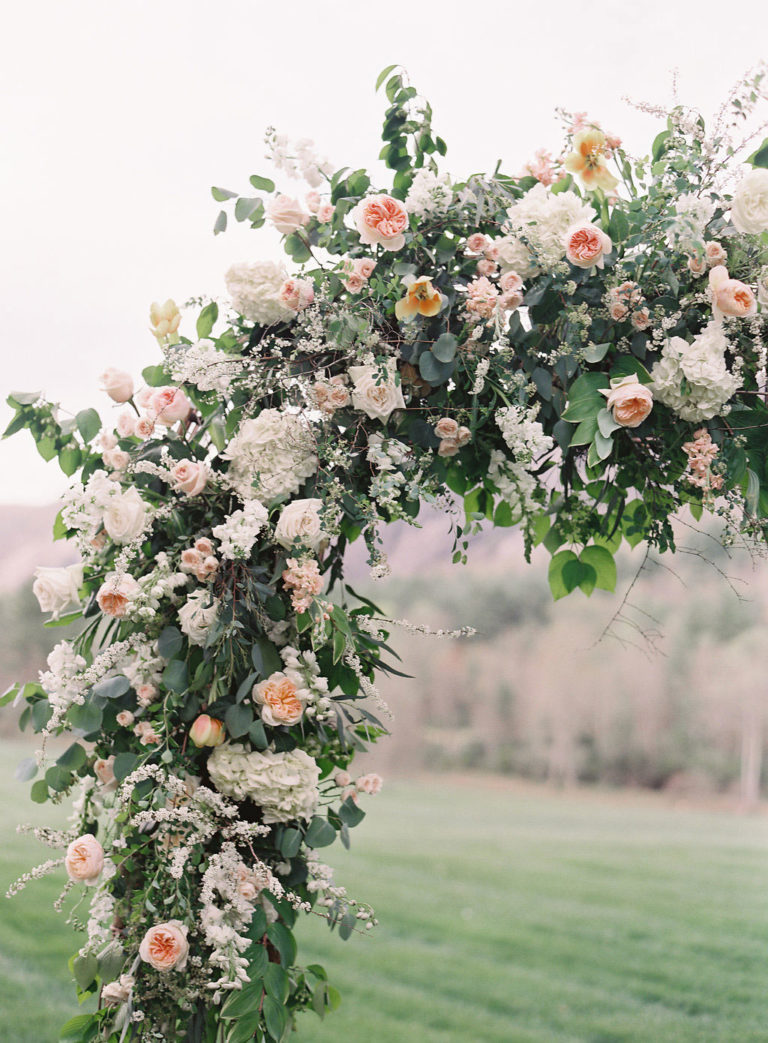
(523, 433)
(238, 533)
(429, 193)
(283, 785)
(544, 217)
(271, 455)
(693, 379)
(515, 256)
(204, 366)
(255, 292)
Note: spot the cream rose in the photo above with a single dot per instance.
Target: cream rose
(84, 860)
(118, 384)
(729, 296)
(189, 476)
(585, 244)
(116, 992)
(125, 516)
(165, 946)
(629, 400)
(195, 618)
(116, 593)
(301, 520)
(749, 207)
(381, 220)
(375, 392)
(56, 588)
(286, 214)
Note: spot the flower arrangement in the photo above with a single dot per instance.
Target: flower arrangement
(578, 350)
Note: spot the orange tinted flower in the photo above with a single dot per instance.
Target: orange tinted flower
(421, 299)
(588, 159)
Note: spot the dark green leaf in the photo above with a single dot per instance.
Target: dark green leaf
(170, 641)
(73, 757)
(238, 719)
(320, 832)
(444, 348)
(111, 687)
(125, 763)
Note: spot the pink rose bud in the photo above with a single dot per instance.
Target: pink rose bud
(118, 384)
(342, 778)
(477, 242)
(204, 545)
(446, 427)
(189, 476)
(207, 731)
(125, 718)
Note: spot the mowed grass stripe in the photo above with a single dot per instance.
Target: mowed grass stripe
(508, 915)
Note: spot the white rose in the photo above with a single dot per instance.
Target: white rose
(116, 992)
(374, 395)
(301, 520)
(286, 214)
(749, 207)
(117, 383)
(195, 620)
(55, 588)
(125, 516)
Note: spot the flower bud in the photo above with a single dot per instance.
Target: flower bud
(207, 731)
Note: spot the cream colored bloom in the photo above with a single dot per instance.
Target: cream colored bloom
(118, 384)
(300, 520)
(629, 400)
(749, 208)
(165, 320)
(84, 860)
(165, 946)
(374, 390)
(55, 588)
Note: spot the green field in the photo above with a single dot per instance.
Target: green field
(508, 915)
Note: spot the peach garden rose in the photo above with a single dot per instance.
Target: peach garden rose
(585, 245)
(84, 860)
(381, 220)
(165, 946)
(629, 401)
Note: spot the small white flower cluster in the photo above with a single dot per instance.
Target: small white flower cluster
(352, 660)
(62, 681)
(144, 666)
(392, 459)
(271, 455)
(102, 910)
(302, 669)
(429, 193)
(514, 482)
(693, 379)
(238, 533)
(298, 159)
(692, 215)
(34, 874)
(204, 366)
(523, 433)
(334, 897)
(161, 583)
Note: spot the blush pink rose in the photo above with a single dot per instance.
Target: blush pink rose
(144, 427)
(697, 265)
(125, 425)
(585, 244)
(629, 400)
(510, 282)
(312, 199)
(446, 427)
(204, 545)
(370, 783)
(354, 282)
(297, 294)
(117, 459)
(165, 946)
(716, 253)
(618, 311)
(84, 860)
(381, 221)
(125, 718)
(286, 214)
(477, 242)
(729, 296)
(103, 769)
(641, 319)
(365, 266)
(118, 384)
(486, 267)
(146, 733)
(169, 405)
(325, 213)
(189, 476)
(116, 593)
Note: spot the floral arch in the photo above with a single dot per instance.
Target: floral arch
(578, 350)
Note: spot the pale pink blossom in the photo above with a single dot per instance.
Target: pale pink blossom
(641, 319)
(146, 734)
(365, 266)
(618, 311)
(117, 383)
(541, 167)
(126, 424)
(304, 582)
(486, 267)
(701, 453)
(117, 459)
(84, 860)
(204, 545)
(510, 282)
(125, 718)
(286, 214)
(716, 253)
(145, 425)
(342, 778)
(697, 265)
(477, 242)
(146, 694)
(107, 440)
(729, 296)
(169, 405)
(313, 201)
(370, 783)
(189, 476)
(297, 294)
(482, 297)
(104, 770)
(629, 400)
(381, 220)
(207, 731)
(165, 946)
(325, 213)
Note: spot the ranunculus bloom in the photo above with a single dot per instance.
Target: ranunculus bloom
(421, 298)
(585, 244)
(381, 221)
(55, 588)
(207, 731)
(189, 476)
(144, 426)
(588, 159)
(165, 319)
(116, 593)
(749, 208)
(118, 384)
(169, 404)
(280, 700)
(165, 946)
(729, 296)
(84, 860)
(629, 400)
(286, 214)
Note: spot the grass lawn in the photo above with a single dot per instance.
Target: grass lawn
(508, 915)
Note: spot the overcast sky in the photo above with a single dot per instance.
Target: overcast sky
(119, 116)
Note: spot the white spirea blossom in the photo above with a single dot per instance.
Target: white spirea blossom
(298, 159)
(514, 482)
(284, 785)
(692, 215)
(238, 533)
(693, 379)
(543, 218)
(271, 455)
(204, 366)
(255, 292)
(429, 193)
